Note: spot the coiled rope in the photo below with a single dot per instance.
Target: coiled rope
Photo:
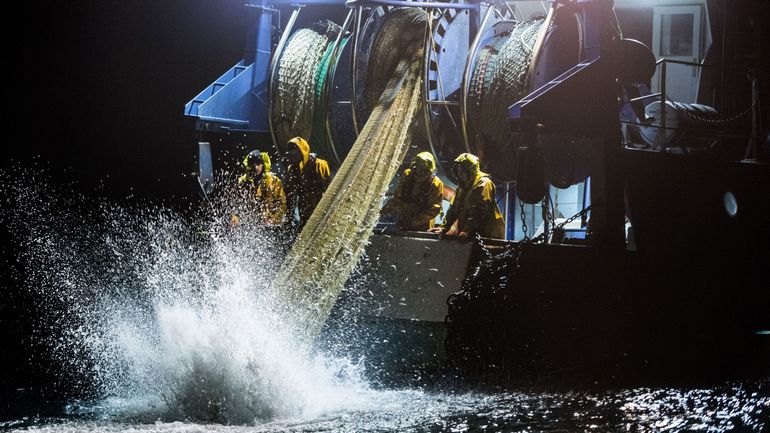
(499, 79)
(300, 82)
(403, 30)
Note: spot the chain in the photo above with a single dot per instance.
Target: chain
(706, 120)
(523, 217)
(551, 218)
(550, 212)
(717, 121)
(480, 241)
(547, 233)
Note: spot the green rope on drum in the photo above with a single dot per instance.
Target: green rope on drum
(342, 125)
(318, 137)
(296, 84)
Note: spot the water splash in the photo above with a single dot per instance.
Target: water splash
(170, 324)
(169, 312)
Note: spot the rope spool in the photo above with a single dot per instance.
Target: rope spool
(690, 123)
(299, 86)
(448, 47)
(301, 102)
(500, 78)
(397, 31)
(340, 129)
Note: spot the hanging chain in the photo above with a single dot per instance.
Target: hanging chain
(548, 232)
(707, 120)
(717, 121)
(523, 217)
(550, 212)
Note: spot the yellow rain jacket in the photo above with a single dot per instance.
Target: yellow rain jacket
(417, 199)
(474, 206)
(306, 181)
(268, 191)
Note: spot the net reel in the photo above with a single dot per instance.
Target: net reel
(471, 77)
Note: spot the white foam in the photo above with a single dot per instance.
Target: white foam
(176, 320)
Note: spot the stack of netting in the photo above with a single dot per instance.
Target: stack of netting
(500, 78)
(297, 102)
(332, 241)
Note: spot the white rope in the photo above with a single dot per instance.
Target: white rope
(294, 101)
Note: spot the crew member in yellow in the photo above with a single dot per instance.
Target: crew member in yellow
(474, 207)
(417, 199)
(266, 187)
(307, 177)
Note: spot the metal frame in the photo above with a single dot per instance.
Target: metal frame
(329, 83)
(467, 72)
(663, 98)
(266, 8)
(412, 4)
(274, 66)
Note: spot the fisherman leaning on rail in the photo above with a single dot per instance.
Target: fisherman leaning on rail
(418, 195)
(307, 177)
(474, 206)
(266, 187)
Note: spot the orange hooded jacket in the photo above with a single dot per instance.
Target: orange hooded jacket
(306, 181)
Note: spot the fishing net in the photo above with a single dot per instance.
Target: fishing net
(500, 78)
(335, 236)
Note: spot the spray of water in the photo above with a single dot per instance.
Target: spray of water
(169, 312)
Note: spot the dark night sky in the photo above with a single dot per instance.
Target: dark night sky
(103, 85)
(96, 91)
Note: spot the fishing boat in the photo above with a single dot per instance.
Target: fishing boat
(632, 175)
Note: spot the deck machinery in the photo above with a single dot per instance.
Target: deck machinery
(457, 45)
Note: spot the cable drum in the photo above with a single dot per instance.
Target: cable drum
(402, 30)
(318, 135)
(500, 78)
(299, 85)
(693, 124)
(479, 96)
(340, 130)
(398, 31)
(448, 48)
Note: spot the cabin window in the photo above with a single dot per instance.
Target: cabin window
(677, 35)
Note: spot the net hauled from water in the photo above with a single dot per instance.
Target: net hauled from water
(329, 246)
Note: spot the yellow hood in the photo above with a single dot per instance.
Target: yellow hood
(265, 160)
(469, 164)
(304, 148)
(425, 160)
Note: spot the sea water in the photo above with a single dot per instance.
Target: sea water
(164, 320)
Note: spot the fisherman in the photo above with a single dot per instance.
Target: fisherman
(418, 195)
(307, 177)
(266, 187)
(474, 207)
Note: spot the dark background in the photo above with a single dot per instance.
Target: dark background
(102, 86)
(96, 91)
